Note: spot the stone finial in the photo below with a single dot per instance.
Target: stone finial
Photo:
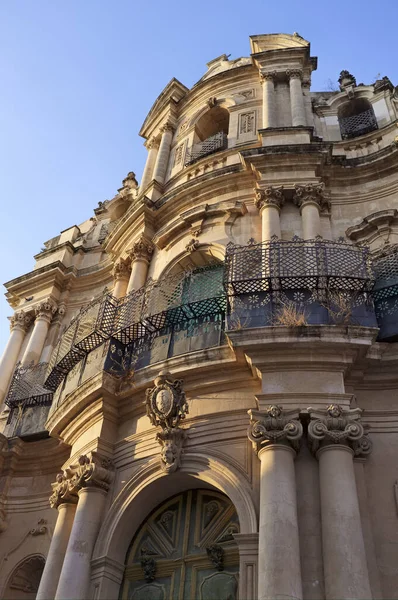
(336, 425)
(122, 269)
(166, 407)
(274, 426)
(294, 74)
(311, 192)
(346, 80)
(46, 310)
(268, 76)
(269, 196)
(20, 320)
(89, 471)
(130, 182)
(142, 249)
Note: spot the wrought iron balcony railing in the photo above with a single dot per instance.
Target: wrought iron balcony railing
(385, 294)
(363, 122)
(215, 143)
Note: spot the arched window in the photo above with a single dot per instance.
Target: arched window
(211, 134)
(356, 118)
(185, 549)
(24, 581)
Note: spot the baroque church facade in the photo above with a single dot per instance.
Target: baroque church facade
(199, 391)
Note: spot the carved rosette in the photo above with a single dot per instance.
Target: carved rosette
(122, 269)
(336, 425)
(294, 74)
(268, 76)
(274, 426)
(311, 193)
(142, 249)
(20, 320)
(166, 407)
(46, 310)
(90, 471)
(269, 196)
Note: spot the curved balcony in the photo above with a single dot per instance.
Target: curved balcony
(212, 144)
(385, 295)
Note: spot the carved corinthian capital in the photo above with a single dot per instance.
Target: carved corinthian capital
(142, 249)
(166, 407)
(311, 193)
(46, 310)
(122, 269)
(274, 426)
(294, 74)
(90, 471)
(269, 196)
(268, 76)
(20, 320)
(338, 426)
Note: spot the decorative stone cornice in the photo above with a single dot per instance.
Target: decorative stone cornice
(336, 425)
(20, 320)
(46, 310)
(142, 249)
(294, 74)
(94, 471)
(268, 76)
(166, 407)
(274, 426)
(269, 196)
(311, 193)
(122, 269)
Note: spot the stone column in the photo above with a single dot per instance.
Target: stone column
(269, 201)
(153, 148)
(269, 100)
(296, 98)
(141, 254)
(335, 436)
(44, 314)
(276, 435)
(19, 325)
(121, 275)
(90, 479)
(162, 159)
(66, 505)
(311, 201)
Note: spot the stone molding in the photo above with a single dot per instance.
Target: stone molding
(166, 407)
(311, 193)
(274, 426)
(268, 76)
(92, 471)
(20, 320)
(122, 269)
(294, 74)
(336, 425)
(142, 249)
(46, 310)
(269, 196)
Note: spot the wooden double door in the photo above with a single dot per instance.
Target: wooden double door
(185, 550)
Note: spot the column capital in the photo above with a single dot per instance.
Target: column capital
(269, 196)
(92, 471)
(274, 426)
(311, 193)
(122, 269)
(337, 426)
(153, 142)
(267, 76)
(142, 249)
(166, 127)
(20, 320)
(294, 74)
(45, 310)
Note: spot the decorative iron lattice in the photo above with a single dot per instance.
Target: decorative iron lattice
(215, 143)
(385, 294)
(357, 125)
(27, 387)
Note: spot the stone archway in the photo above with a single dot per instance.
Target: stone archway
(185, 549)
(24, 581)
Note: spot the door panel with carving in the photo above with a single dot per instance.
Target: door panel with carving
(185, 550)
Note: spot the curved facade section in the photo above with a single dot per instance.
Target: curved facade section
(193, 374)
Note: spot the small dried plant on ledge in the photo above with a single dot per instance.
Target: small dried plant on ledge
(289, 315)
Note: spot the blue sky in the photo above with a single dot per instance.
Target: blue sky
(78, 77)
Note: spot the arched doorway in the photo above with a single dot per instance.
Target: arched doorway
(185, 550)
(24, 581)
